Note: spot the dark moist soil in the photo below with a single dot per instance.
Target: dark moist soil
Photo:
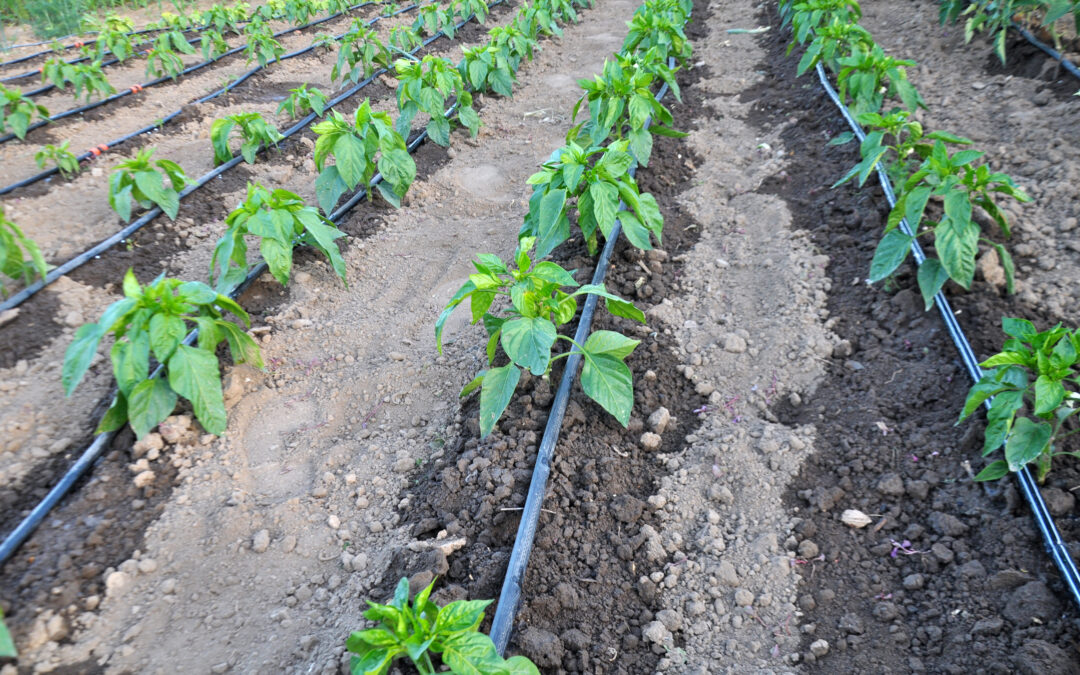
(582, 609)
(35, 326)
(972, 584)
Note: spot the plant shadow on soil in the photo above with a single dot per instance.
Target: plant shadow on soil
(583, 606)
(980, 584)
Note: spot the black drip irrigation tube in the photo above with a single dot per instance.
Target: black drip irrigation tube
(198, 66)
(94, 451)
(1068, 65)
(1055, 545)
(510, 596)
(240, 79)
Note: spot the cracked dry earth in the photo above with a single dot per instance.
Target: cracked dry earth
(706, 538)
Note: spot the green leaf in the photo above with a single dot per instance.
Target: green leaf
(473, 385)
(1049, 394)
(470, 653)
(891, 251)
(607, 380)
(1021, 329)
(957, 246)
(610, 342)
(351, 159)
(549, 271)
(499, 385)
(115, 417)
(131, 360)
(1026, 442)
(438, 129)
(932, 277)
(329, 186)
(550, 211)
(278, 258)
(193, 373)
(461, 615)
(7, 645)
(605, 198)
(151, 401)
(993, 471)
(241, 345)
(324, 236)
(79, 354)
(166, 332)
(528, 341)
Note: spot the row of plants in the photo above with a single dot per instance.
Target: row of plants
(941, 186)
(589, 180)
(995, 17)
(153, 319)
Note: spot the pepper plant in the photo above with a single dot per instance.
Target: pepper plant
(1035, 391)
(404, 39)
(960, 185)
(137, 179)
(424, 86)
(17, 111)
(261, 45)
(153, 320)
(254, 130)
(487, 68)
(422, 630)
(114, 36)
(528, 329)
(360, 54)
(868, 76)
(467, 8)
(434, 19)
(597, 183)
(660, 27)
(830, 42)
(302, 101)
(536, 19)
(513, 43)
(282, 221)
(15, 249)
(87, 76)
(620, 101)
(66, 162)
(212, 44)
(354, 147)
(162, 60)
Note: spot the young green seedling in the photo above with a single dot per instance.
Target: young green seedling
(14, 249)
(513, 43)
(662, 29)
(162, 60)
(153, 320)
(137, 179)
(600, 180)
(868, 76)
(434, 19)
(424, 86)
(404, 39)
(81, 76)
(282, 221)
(621, 100)
(487, 68)
(302, 101)
(1035, 385)
(60, 156)
(213, 44)
(261, 45)
(114, 36)
(354, 147)
(360, 54)
(254, 132)
(7, 645)
(422, 630)
(528, 329)
(960, 185)
(17, 111)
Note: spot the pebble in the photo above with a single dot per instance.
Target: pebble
(334, 522)
(744, 598)
(819, 648)
(891, 485)
(116, 581)
(734, 344)
(288, 543)
(396, 356)
(148, 565)
(144, 479)
(650, 441)
(660, 419)
(261, 541)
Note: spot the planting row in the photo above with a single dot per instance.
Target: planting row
(1033, 386)
(589, 181)
(996, 18)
